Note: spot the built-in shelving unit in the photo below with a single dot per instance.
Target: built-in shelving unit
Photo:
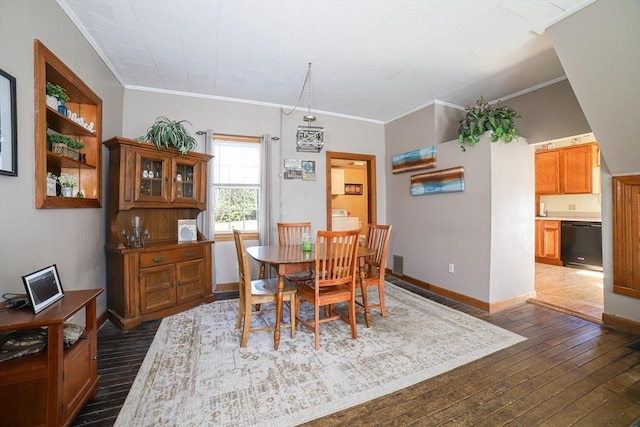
(85, 104)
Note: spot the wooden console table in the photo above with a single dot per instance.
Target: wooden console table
(50, 387)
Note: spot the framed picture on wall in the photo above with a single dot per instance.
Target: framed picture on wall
(353, 189)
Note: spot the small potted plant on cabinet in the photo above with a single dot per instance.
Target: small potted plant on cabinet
(60, 95)
(67, 182)
(170, 133)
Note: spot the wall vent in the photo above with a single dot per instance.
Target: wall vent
(397, 264)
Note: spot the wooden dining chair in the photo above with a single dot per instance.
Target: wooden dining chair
(290, 233)
(254, 293)
(375, 266)
(334, 281)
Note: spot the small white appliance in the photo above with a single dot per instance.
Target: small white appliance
(341, 221)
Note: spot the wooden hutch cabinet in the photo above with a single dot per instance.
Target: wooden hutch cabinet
(154, 275)
(82, 123)
(50, 387)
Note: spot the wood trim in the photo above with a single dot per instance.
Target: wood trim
(372, 192)
(564, 310)
(224, 287)
(621, 323)
(549, 261)
(465, 299)
(236, 138)
(443, 292)
(228, 237)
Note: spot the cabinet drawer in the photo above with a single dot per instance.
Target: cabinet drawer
(150, 259)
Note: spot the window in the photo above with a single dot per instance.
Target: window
(236, 184)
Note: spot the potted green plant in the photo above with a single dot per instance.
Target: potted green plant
(60, 94)
(169, 133)
(482, 117)
(67, 182)
(64, 145)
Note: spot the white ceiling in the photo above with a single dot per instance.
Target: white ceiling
(371, 59)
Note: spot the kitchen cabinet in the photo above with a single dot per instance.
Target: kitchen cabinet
(547, 241)
(337, 181)
(567, 170)
(157, 275)
(547, 164)
(83, 104)
(50, 387)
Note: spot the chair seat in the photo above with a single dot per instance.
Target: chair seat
(269, 287)
(339, 292)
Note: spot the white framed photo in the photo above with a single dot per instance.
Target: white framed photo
(187, 230)
(43, 288)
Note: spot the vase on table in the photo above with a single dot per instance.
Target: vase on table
(67, 191)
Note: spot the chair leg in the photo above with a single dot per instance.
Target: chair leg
(292, 314)
(246, 327)
(383, 308)
(240, 312)
(316, 324)
(352, 318)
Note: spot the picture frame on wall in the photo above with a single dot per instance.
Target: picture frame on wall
(353, 189)
(8, 125)
(43, 288)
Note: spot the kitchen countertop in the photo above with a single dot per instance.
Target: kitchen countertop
(564, 218)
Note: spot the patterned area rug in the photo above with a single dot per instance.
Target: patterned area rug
(196, 374)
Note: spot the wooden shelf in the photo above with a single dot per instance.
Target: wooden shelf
(65, 125)
(58, 161)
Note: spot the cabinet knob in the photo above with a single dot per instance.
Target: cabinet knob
(158, 259)
(94, 357)
(189, 254)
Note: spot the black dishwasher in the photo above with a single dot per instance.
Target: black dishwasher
(581, 244)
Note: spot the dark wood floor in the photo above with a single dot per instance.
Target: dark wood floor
(570, 371)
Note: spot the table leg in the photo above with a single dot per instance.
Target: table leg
(276, 331)
(363, 291)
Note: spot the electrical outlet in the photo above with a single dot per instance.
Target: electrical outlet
(451, 269)
(572, 207)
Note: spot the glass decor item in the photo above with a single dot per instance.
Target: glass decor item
(306, 242)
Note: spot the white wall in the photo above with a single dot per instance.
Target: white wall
(512, 220)
(32, 238)
(294, 200)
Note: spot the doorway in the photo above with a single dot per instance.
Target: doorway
(367, 164)
(575, 291)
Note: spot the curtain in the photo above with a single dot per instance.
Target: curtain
(266, 194)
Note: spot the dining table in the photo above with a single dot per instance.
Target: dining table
(291, 259)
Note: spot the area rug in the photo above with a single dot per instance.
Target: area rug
(196, 374)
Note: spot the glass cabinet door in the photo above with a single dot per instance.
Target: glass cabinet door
(151, 178)
(186, 180)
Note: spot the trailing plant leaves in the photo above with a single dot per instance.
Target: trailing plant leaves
(482, 117)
